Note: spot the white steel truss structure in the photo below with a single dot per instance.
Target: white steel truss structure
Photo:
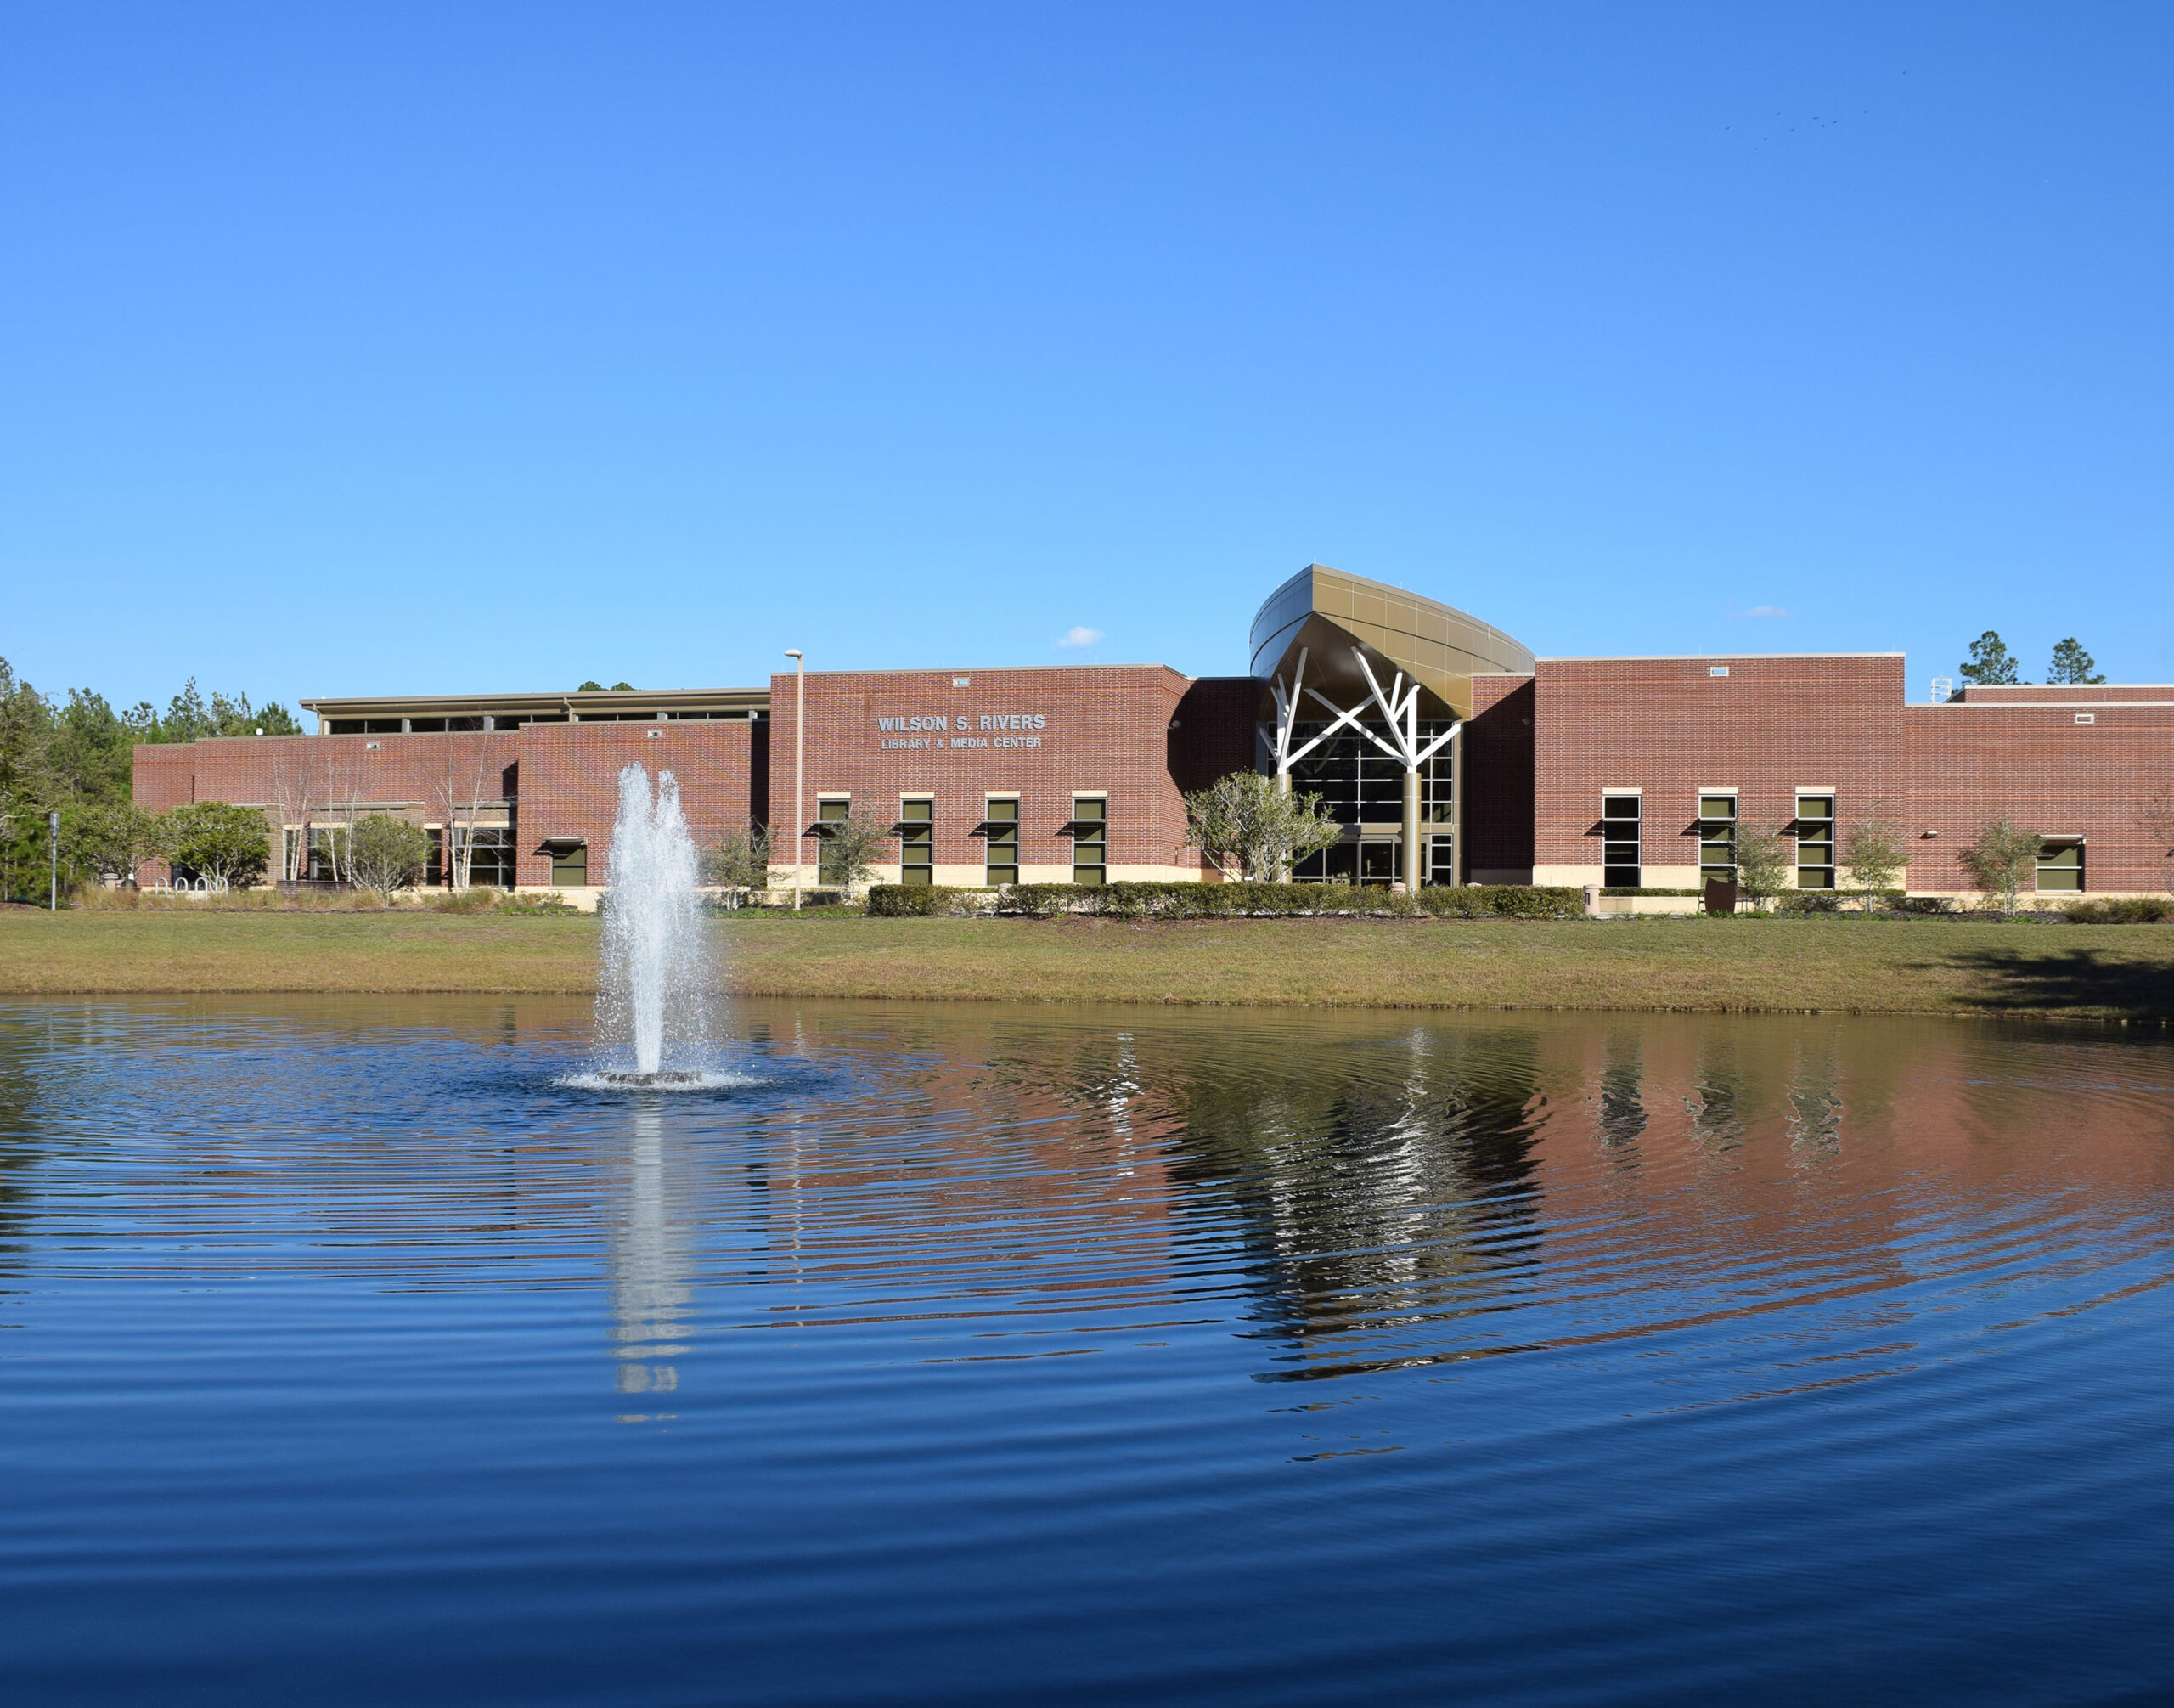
(1400, 717)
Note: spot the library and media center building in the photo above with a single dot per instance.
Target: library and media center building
(1448, 753)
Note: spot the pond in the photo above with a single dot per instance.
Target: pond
(354, 1352)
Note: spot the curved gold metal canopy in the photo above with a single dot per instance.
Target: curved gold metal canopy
(1328, 612)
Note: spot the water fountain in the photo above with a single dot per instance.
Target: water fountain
(654, 1002)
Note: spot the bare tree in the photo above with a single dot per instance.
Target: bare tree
(345, 768)
(459, 788)
(292, 766)
(2156, 815)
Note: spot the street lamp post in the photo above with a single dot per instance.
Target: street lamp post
(52, 826)
(799, 756)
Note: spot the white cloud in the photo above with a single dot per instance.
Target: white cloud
(1761, 610)
(1079, 635)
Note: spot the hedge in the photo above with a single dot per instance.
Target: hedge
(1247, 900)
(924, 900)
(2120, 910)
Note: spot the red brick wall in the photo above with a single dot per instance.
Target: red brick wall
(1773, 726)
(2026, 693)
(570, 787)
(1670, 727)
(1104, 728)
(1972, 761)
(563, 777)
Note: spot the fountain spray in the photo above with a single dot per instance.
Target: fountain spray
(654, 996)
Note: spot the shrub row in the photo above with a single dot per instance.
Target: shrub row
(2120, 910)
(924, 900)
(1230, 901)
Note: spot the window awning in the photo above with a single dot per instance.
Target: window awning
(995, 827)
(1090, 828)
(908, 826)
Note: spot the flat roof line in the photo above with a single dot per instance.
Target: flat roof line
(1666, 657)
(979, 669)
(606, 696)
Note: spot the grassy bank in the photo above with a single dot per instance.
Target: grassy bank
(1771, 965)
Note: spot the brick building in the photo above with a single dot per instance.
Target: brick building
(1446, 751)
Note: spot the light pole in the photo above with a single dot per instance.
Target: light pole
(52, 826)
(799, 755)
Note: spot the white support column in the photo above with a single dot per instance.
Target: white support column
(1400, 709)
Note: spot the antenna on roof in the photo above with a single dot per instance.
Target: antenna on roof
(1943, 687)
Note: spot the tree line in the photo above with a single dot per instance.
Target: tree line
(75, 755)
(1991, 665)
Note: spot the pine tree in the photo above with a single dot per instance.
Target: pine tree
(2072, 664)
(1989, 665)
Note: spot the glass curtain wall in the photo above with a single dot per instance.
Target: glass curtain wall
(1362, 787)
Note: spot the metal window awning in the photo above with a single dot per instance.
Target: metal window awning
(906, 827)
(825, 828)
(1000, 830)
(1092, 828)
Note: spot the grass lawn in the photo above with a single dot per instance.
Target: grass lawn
(1745, 965)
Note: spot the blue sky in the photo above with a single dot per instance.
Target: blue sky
(474, 348)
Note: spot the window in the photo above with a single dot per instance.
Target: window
(490, 857)
(1000, 824)
(2060, 866)
(829, 814)
(569, 865)
(1441, 860)
(917, 842)
(1815, 841)
(1090, 839)
(1717, 837)
(1622, 866)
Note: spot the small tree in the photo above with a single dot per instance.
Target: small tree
(739, 861)
(387, 853)
(2001, 859)
(1244, 821)
(101, 842)
(849, 847)
(1762, 862)
(1875, 856)
(1990, 664)
(2073, 665)
(216, 840)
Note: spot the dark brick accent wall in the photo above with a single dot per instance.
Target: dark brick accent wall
(1497, 784)
(1214, 733)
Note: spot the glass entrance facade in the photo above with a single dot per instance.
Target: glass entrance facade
(1362, 787)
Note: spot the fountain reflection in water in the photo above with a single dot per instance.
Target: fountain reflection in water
(654, 1004)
